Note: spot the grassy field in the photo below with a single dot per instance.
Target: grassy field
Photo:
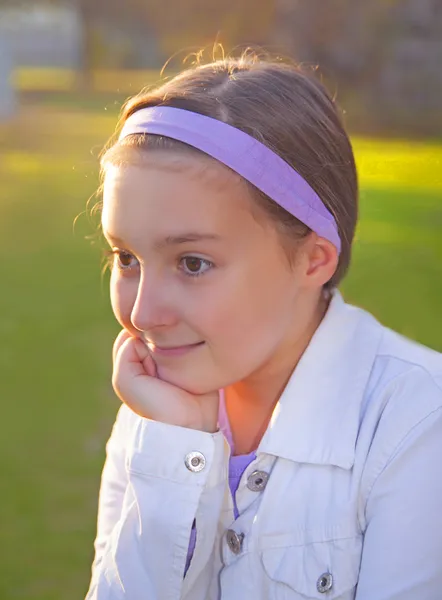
(57, 329)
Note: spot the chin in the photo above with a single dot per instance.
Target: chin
(196, 385)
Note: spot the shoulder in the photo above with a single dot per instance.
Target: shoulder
(401, 383)
(405, 372)
(393, 364)
(399, 376)
(403, 400)
(410, 354)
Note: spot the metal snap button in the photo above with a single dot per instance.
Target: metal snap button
(257, 481)
(234, 541)
(324, 583)
(195, 461)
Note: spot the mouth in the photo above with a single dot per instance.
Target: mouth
(172, 350)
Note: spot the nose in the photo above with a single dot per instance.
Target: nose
(153, 306)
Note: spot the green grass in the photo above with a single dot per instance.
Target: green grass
(57, 329)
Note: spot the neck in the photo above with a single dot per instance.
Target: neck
(250, 402)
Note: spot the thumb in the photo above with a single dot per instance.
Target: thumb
(127, 361)
(145, 358)
(134, 369)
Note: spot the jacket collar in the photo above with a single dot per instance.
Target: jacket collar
(317, 418)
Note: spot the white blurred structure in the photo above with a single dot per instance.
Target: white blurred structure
(42, 36)
(7, 95)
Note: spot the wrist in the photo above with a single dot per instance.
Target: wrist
(205, 425)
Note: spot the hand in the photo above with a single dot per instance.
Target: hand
(136, 383)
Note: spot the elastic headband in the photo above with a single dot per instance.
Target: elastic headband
(245, 155)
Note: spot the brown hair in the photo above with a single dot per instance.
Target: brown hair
(287, 109)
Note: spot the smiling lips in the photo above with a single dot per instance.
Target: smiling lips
(172, 350)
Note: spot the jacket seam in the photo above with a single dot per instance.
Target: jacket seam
(396, 450)
(419, 366)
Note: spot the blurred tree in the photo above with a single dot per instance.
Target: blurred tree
(129, 16)
(197, 23)
(345, 37)
(179, 26)
(384, 55)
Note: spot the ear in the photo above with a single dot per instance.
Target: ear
(321, 261)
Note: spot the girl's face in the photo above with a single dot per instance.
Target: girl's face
(196, 275)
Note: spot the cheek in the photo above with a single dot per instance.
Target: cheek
(252, 321)
(123, 293)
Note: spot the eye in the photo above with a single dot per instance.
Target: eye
(124, 260)
(193, 266)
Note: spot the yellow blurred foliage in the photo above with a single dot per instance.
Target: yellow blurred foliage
(66, 80)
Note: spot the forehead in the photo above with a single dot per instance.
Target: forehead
(159, 197)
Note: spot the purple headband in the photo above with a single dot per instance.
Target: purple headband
(245, 155)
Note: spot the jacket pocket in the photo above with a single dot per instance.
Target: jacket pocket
(307, 569)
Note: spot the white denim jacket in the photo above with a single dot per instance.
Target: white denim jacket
(352, 509)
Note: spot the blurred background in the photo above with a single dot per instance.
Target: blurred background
(65, 69)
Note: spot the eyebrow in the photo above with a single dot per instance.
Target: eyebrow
(172, 240)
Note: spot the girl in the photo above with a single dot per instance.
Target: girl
(273, 441)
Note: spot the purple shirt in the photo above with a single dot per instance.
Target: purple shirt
(237, 466)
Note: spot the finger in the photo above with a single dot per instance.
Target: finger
(127, 370)
(119, 341)
(145, 358)
(127, 361)
(131, 381)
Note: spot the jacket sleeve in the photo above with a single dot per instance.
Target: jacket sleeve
(151, 494)
(113, 486)
(402, 555)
